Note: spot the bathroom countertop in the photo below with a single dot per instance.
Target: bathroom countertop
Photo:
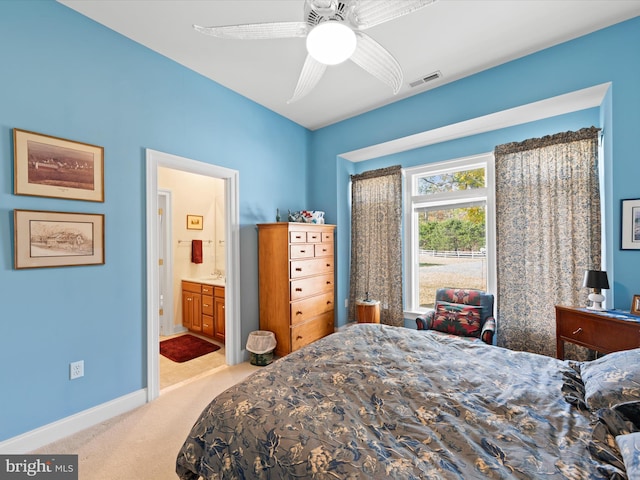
(216, 282)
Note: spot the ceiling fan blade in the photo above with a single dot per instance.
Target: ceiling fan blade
(375, 59)
(374, 12)
(257, 31)
(312, 72)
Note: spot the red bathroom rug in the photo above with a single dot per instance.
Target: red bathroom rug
(186, 347)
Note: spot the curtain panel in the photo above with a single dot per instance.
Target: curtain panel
(376, 244)
(548, 234)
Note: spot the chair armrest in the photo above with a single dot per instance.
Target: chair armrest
(488, 330)
(424, 321)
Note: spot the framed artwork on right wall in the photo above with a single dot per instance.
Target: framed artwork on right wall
(630, 232)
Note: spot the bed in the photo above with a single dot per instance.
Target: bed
(374, 401)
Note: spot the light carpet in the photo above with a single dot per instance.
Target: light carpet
(143, 444)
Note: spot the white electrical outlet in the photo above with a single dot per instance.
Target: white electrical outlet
(76, 369)
(346, 303)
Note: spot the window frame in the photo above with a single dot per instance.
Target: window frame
(443, 200)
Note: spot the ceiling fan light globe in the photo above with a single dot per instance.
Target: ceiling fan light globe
(331, 42)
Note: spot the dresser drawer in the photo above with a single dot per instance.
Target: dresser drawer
(191, 287)
(578, 329)
(597, 332)
(306, 268)
(301, 251)
(207, 289)
(323, 250)
(311, 286)
(297, 237)
(207, 325)
(310, 331)
(314, 237)
(218, 292)
(207, 304)
(303, 310)
(327, 237)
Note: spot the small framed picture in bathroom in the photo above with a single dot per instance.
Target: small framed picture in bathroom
(194, 222)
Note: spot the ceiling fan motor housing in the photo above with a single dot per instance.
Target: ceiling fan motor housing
(319, 11)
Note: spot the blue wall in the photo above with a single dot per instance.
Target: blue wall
(609, 55)
(66, 76)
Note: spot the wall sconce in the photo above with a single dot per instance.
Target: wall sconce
(596, 279)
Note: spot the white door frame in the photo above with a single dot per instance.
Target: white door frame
(155, 159)
(167, 326)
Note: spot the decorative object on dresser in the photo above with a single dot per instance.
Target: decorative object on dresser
(635, 305)
(47, 166)
(630, 235)
(203, 309)
(602, 331)
(596, 279)
(296, 281)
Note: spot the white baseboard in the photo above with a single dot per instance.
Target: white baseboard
(34, 439)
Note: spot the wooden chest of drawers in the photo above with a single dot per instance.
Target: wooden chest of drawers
(297, 282)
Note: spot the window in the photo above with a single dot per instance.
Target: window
(449, 229)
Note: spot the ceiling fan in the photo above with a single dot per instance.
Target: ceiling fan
(334, 33)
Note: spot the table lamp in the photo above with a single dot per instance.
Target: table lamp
(596, 279)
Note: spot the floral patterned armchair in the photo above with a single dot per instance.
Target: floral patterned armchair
(464, 312)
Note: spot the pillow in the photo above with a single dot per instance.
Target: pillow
(612, 379)
(458, 319)
(629, 446)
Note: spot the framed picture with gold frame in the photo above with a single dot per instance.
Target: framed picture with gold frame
(195, 222)
(47, 166)
(635, 305)
(57, 239)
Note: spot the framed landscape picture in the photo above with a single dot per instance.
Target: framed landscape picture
(48, 166)
(630, 234)
(57, 239)
(194, 222)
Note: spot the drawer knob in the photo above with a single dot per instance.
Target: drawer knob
(205, 304)
(298, 269)
(298, 312)
(328, 264)
(298, 289)
(579, 330)
(328, 282)
(299, 337)
(302, 251)
(328, 302)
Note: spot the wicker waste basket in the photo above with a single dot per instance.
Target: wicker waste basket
(261, 345)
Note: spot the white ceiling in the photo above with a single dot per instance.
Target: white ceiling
(456, 37)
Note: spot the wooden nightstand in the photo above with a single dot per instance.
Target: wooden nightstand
(604, 332)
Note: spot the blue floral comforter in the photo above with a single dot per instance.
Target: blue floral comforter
(374, 401)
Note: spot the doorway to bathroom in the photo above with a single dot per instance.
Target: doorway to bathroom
(192, 271)
(226, 246)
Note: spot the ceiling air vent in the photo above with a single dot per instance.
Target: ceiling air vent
(427, 78)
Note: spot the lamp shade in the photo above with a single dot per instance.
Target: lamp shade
(595, 279)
